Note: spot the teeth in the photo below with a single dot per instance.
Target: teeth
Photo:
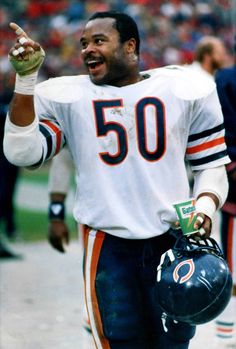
(92, 62)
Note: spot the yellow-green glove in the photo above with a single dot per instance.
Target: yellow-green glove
(30, 65)
(26, 56)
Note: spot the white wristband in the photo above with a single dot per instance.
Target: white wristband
(25, 84)
(206, 205)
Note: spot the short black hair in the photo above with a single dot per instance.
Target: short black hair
(124, 24)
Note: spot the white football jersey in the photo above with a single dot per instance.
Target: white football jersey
(130, 143)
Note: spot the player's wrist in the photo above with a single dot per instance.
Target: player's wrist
(206, 205)
(56, 211)
(25, 85)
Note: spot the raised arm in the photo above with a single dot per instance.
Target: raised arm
(28, 142)
(26, 57)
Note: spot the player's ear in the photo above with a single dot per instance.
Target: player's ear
(130, 46)
(131, 50)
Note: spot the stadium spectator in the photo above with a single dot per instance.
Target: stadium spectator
(210, 55)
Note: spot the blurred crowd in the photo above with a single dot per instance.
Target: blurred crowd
(169, 29)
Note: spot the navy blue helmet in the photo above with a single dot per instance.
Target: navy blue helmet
(194, 283)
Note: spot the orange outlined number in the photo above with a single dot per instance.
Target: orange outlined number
(103, 127)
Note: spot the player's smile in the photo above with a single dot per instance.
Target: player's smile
(94, 65)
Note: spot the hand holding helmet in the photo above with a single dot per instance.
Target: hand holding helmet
(194, 283)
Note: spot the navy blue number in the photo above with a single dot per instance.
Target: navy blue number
(156, 154)
(103, 127)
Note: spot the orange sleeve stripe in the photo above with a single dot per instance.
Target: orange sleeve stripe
(225, 330)
(206, 145)
(57, 132)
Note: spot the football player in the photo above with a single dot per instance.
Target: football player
(226, 87)
(129, 133)
(60, 172)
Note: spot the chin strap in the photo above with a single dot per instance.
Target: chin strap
(171, 257)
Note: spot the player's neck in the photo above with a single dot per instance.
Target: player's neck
(129, 80)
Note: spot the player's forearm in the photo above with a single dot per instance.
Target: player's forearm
(21, 111)
(212, 181)
(210, 188)
(60, 172)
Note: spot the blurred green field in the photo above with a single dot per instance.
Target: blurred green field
(33, 225)
(38, 176)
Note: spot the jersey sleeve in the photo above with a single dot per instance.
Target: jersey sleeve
(206, 146)
(49, 127)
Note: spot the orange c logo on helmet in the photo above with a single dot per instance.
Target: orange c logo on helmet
(188, 275)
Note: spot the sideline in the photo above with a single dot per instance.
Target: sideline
(34, 196)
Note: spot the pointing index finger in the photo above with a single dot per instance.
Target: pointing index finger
(18, 30)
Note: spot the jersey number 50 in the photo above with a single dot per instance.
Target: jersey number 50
(103, 127)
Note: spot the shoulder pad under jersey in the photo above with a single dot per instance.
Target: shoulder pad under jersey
(185, 83)
(65, 89)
